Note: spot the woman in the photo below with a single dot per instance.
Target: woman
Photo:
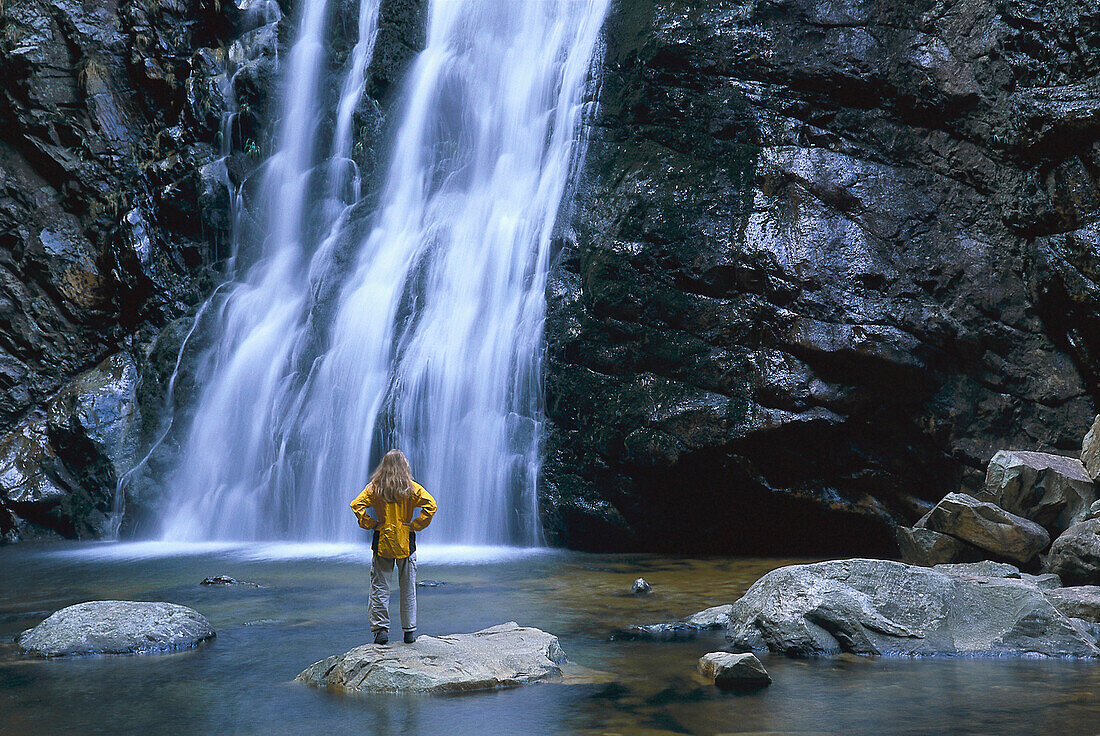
(394, 496)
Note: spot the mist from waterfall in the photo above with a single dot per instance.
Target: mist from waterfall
(426, 334)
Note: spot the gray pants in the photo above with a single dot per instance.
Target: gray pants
(378, 613)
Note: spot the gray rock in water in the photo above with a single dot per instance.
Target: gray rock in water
(116, 627)
(711, 618)
(1051, 490)
(1094, 510)
(430, 583)
(671, 631)
(884, 607)
(983, 569)
(227, 580)
(1081, 602)
(1090, 450)
(927, 548)
(640, 587)
(734, 671)
(987, 526)
(502, 656)
(1075, 556)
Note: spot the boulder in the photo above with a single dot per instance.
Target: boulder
(1082, 601)
(927, 548)
(883, 607)
(1090, 450)
(116, 627)
(502, 656)
(711, 618)
(640, 587)
(1051, 490)
(734, 671)
(987, 526)
(1075, 556)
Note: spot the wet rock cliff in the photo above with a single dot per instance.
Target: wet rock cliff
(827, 257)
(125, 129)
(108, 112)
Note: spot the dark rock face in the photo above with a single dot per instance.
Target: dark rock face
(828, 257)
(108, 113)
(114, 223)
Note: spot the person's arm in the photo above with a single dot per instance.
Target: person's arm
(427, 510)
(360, 506)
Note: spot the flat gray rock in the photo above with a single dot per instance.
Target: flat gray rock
(986, 526)
(507, 655)
(1082, 601)
(734, 671)
(116, 627)
(1054, 491)
(885, 607)
(983, 569)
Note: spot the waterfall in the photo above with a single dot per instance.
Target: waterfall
(429, 336)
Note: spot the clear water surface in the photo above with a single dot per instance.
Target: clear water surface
(313, 605)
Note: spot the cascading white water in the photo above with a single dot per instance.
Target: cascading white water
(433, 343)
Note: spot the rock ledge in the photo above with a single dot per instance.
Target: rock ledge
(502, 656)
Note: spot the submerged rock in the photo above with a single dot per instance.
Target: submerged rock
(227, 580)
(715, 617)
(1075, 556)
(883, 607)
(640, 587)
(987, 526)
(116, 627)
(734, 671)
(502, 656)
(928, 548)
(670, 631)
(711, 618)
(430, 583)
(1051, 490)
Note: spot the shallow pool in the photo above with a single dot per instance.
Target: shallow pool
(312, 604)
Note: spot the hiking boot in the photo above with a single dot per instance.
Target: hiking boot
(410, 637)
(382, 637)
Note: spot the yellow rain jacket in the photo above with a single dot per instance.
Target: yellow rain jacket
(393, 523)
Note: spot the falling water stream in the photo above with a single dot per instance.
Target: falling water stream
(428, 336)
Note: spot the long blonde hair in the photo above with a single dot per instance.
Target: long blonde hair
(392, 479)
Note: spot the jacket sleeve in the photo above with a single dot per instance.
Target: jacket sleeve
(427, 511)
(360, 506)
